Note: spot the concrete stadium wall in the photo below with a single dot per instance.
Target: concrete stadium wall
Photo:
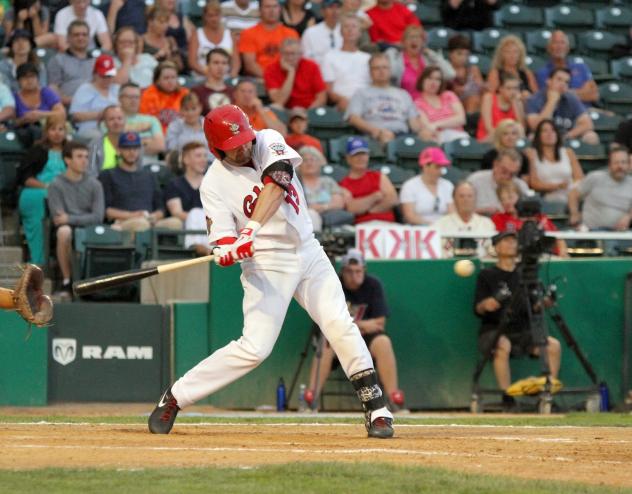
(433, 330)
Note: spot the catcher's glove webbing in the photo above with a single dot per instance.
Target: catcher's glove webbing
(29, 299)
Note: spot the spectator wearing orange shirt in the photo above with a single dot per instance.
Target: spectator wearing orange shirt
(163, 98)
(390, 19)
(259, 45)
(245, 97)
(293, 80)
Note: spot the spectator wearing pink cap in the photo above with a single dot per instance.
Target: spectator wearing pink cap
(88, 103)
(427, 196)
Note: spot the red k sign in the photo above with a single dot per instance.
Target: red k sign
(398, 242)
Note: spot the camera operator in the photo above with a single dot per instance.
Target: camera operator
(505, 330)
(517, 210)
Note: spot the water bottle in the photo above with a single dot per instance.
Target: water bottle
(281, 396)
(604, 402)
(302, 404)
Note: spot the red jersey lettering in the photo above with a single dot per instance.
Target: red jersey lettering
(250, 201)
(291, 197)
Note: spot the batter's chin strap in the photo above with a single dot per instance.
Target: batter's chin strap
(368, 390)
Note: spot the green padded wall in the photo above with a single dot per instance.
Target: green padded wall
(24, 362)
(434, 330)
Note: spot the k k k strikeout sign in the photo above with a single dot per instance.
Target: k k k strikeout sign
(398, 242)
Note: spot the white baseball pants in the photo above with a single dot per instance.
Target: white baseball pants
(270, 280)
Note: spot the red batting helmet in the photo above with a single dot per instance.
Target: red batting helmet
(227, 127)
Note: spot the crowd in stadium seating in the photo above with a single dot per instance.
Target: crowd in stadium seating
(133, 81)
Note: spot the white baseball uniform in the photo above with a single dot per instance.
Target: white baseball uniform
(288, 262)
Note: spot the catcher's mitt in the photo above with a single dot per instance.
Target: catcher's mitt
(532, 386)
(29, 299)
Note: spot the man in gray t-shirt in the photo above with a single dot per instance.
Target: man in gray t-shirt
(607, 195)
(485, 182)
(382, 111)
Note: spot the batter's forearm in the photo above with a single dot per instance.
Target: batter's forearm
(268, 202)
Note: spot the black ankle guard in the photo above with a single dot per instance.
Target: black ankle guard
(368, 390)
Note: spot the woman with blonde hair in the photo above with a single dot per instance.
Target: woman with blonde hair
(510, 58)
(325, 200)
(212, 34)
(506, 135)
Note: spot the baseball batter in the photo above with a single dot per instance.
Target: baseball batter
(257, 214)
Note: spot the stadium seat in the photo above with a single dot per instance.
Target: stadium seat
(517, 17)
(396, 174)
(487, 40)
(11, 152)
(45, 54)
(615, 19)
(598, 43)
(534, 62)
(483, 62)
(605, 125)
(103, 250)
(195, 8)
(591, 156)
(455, 175)
(404, 151)
(337, 149)
(598, 66)
(326, 122)
(161, 172)
(337, 172)
(281, 113)
(622, 68)
(429, 15)
(466, 153)
(438, 37)
(616, 96)
(538, 40)
(187, 81)
(569, 18)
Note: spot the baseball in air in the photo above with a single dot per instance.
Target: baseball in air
(464, 268)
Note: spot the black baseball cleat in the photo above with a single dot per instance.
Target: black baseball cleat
(164, 415)
(381, 427)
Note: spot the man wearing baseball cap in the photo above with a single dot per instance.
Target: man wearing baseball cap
(505, 334)
(427, 196)
(133, 200)
(369, 194)
(366, 301)
(91, 98)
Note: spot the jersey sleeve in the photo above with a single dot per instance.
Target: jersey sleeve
(219, 219)
(271, 148)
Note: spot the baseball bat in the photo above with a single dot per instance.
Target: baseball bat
(91, 285)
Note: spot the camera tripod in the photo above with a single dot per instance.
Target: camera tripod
(537, 301)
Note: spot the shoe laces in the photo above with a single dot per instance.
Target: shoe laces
(170, 407)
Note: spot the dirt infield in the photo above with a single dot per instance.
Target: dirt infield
(580, 454)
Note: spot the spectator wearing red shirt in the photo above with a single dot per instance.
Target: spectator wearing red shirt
(368, 194)
(390, 19)
(293, 80)
(509, 195)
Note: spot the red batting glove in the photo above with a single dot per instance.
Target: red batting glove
(223, 256)
(243, 248)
